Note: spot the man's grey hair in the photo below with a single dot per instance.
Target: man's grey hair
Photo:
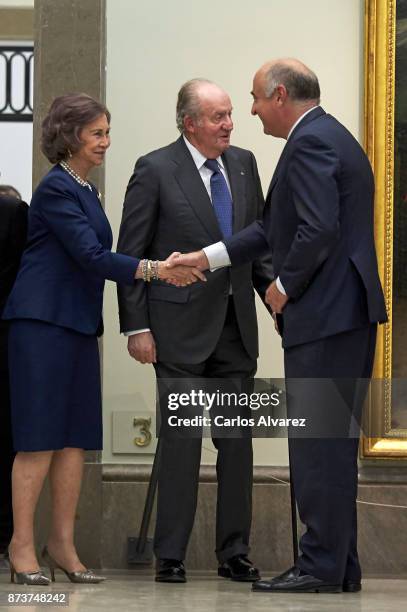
(301, 85)
(188, 101)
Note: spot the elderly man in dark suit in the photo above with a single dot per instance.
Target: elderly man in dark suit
(13, 234)
(195, 190)
(327, 297)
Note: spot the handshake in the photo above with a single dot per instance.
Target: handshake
(184, 269)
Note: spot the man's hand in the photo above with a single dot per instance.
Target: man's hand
(142, 347)
(275, 299)
(196, 259)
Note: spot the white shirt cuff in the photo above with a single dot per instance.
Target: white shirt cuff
(217, 256)
(138, 331)
(280, 286)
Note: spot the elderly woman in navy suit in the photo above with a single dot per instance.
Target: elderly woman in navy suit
(55, 311)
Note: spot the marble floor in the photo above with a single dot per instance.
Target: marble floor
(205, 592)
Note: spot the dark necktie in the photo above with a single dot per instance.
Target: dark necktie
(221, 198)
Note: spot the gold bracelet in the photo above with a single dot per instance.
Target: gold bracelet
(149, 270)
(144, 269)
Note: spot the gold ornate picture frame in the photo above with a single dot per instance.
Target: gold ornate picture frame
(385, 435)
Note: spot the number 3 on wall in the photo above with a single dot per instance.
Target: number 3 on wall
(144, 425)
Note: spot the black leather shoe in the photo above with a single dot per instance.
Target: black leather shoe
(296, 581)
(239, 568)
(351, 586)
(170, 570)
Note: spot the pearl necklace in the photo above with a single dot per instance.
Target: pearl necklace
(74, 175)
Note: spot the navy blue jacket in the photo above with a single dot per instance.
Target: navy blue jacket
(318, 225)
(67, 258)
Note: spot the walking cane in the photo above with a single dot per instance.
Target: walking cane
(140, 550)
(280, 323)
(293, 513)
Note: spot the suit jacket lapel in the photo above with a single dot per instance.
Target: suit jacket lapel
(188, 177)
(237, 180)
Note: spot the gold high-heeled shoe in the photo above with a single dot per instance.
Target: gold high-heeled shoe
(37, 578)
(86, 577)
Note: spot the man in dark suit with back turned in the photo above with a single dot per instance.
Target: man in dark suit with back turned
(318, 227)
(195, 190)
(13, 234)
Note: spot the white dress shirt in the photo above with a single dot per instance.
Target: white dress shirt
(205, 173)
(217, 254)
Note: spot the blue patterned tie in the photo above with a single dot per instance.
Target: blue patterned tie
(221, 198)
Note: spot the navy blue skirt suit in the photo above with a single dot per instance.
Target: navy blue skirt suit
(55, 309)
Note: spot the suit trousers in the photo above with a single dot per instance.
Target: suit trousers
(6, 445)
(180, 460)
(324, 468)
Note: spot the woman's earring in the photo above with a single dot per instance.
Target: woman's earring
(69, 153)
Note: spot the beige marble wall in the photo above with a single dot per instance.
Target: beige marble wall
(16, 23)
(382, 544)
(111, 506)
(69, 55)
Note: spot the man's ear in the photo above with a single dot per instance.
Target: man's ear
(281, 94)
(189, 124)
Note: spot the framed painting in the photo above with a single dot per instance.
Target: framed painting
(385, 431)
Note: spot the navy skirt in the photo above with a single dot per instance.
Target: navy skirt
(55, 388)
